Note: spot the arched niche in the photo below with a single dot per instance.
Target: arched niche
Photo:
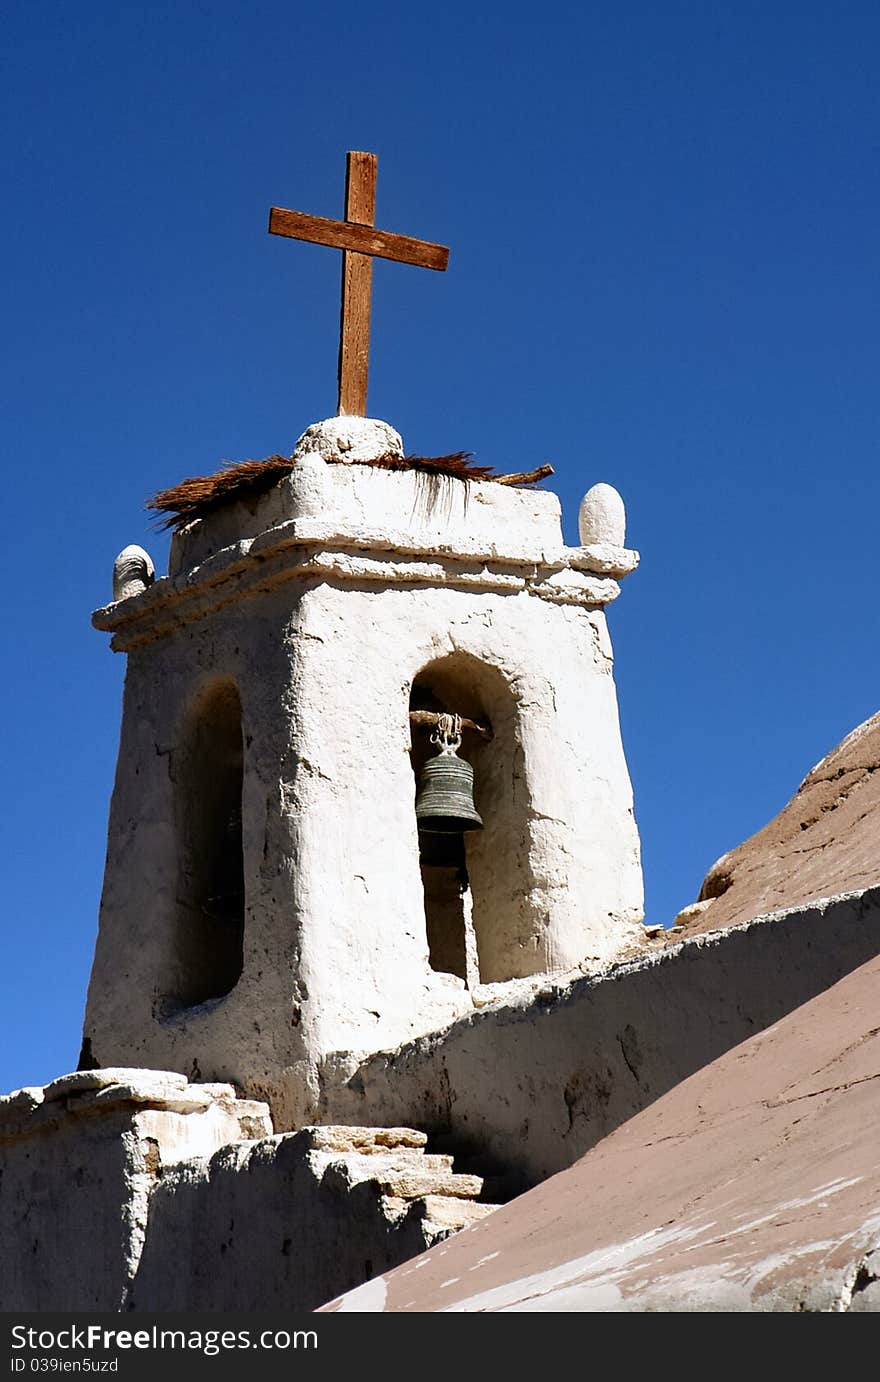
(208, 772)
(477, 908)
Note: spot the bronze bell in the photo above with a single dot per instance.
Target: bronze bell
(445, 800)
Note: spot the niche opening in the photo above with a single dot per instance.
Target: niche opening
(210, 889)
(466, 876)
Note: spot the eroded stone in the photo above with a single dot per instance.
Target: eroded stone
(143, 1084)
(335, 1138)
(348, 440)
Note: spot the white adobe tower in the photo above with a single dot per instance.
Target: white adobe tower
(265, 913)
(271, 910)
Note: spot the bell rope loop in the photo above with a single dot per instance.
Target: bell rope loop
(447, 735)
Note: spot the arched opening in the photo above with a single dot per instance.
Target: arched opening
(210, 878)
(474, 881)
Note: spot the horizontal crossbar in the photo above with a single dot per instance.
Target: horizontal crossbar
(345, 235)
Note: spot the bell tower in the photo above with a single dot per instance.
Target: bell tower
(270, 905)
(370, 772)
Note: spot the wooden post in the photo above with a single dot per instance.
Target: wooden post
(357, 280)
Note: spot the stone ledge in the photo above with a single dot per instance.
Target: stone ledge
(392, 1160)
(298, 550)
(338, 1138)
(90, 1093)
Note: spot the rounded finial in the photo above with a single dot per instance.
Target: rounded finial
(349, 439)
(133, 572)
(602, 517)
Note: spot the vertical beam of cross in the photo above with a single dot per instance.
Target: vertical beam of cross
(360, 242)
(357, 283)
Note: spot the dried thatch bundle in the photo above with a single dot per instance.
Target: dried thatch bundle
(198, 495)
(195, 497)
(460, 465)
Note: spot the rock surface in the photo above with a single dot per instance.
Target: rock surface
(752, 1186)
(823, 842)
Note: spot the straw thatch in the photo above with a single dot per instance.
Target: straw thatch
(198, 495)
(195, 497)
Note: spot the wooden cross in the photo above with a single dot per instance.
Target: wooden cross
(360, 243)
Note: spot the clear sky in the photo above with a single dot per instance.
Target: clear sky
(664, 274)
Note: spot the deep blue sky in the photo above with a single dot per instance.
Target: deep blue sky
(664, 274)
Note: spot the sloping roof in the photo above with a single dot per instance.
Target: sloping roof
(754, 1185)
(825, 841)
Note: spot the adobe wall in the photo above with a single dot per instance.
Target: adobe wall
(277, 1223)
(79, 1161)
(133, 1190)
(167, 1195)
(536, 1082)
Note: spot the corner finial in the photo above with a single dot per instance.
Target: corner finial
(602, 517)
(133, 572)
